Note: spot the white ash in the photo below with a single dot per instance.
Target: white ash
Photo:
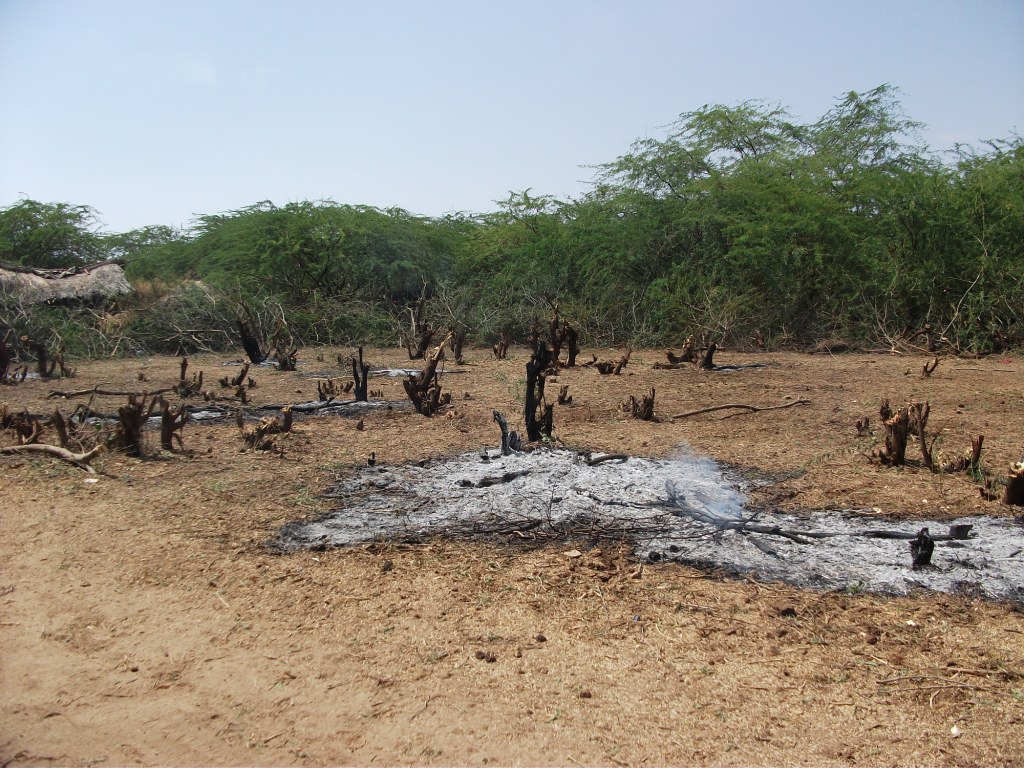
(669, 509)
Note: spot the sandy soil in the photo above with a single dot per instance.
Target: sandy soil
(143, 621)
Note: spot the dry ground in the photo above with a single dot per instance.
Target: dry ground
(142, 621)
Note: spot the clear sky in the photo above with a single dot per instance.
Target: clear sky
(153, 111)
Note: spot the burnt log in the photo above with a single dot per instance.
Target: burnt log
(6, 355)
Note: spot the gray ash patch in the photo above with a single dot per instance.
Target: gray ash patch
(686, 509)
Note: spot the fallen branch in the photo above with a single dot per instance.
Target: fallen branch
(80, 460)
(104, 392)
(750, 408)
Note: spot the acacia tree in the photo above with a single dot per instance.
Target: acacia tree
(49, 235)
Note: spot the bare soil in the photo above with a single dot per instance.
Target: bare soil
(144, 621)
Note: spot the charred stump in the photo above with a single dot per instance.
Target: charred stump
(188, 388)
(6, 355)
(564, 398)
(918, 421)
(422, 333)
(131, 421)
(360, 377)
(572, 340)
(457, 344)
(510, 441)
(250, 343)
(1014, 494)
(896, 432)
(424, 390)
(538, 425)
(236, 381)
(501, 347)
(707, 363)
(172, 425)
(264, 435)
(688, 354)
(24, 425)
(642, 409)
(612, 367)
(921, 549)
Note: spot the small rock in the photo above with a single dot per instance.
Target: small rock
(586, 695)
(540, 639)
(789, 611)
(386, 566)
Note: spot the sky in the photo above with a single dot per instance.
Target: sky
(157, 111)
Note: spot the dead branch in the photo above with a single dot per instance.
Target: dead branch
(80, 460)
(744, 406)
(103, 392)
(929, 368)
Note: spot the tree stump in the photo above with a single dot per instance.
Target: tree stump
(537, 426)
(687, 354)
(250, 343)
(501, 347)
(424, 390)
(896, 431)
(360, 377)
(1014, 494)
(172, 425)
(642, 409)
(422, 333)
(708, 361)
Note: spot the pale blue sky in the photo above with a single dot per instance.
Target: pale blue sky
(153, 112)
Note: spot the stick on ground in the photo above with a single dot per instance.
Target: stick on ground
(80, 460)
(751, 408)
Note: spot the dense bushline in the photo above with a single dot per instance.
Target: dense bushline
(739, 221)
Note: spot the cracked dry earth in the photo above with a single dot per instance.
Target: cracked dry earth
(145, 621)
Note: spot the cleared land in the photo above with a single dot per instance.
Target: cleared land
(144, 621)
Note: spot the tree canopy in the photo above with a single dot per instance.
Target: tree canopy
(738, 220)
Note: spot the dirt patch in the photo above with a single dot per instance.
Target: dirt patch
(144, 620)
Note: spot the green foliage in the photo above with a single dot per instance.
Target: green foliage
(49, 235)
(739, 220)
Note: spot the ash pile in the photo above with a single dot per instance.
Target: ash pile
(687, 509)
